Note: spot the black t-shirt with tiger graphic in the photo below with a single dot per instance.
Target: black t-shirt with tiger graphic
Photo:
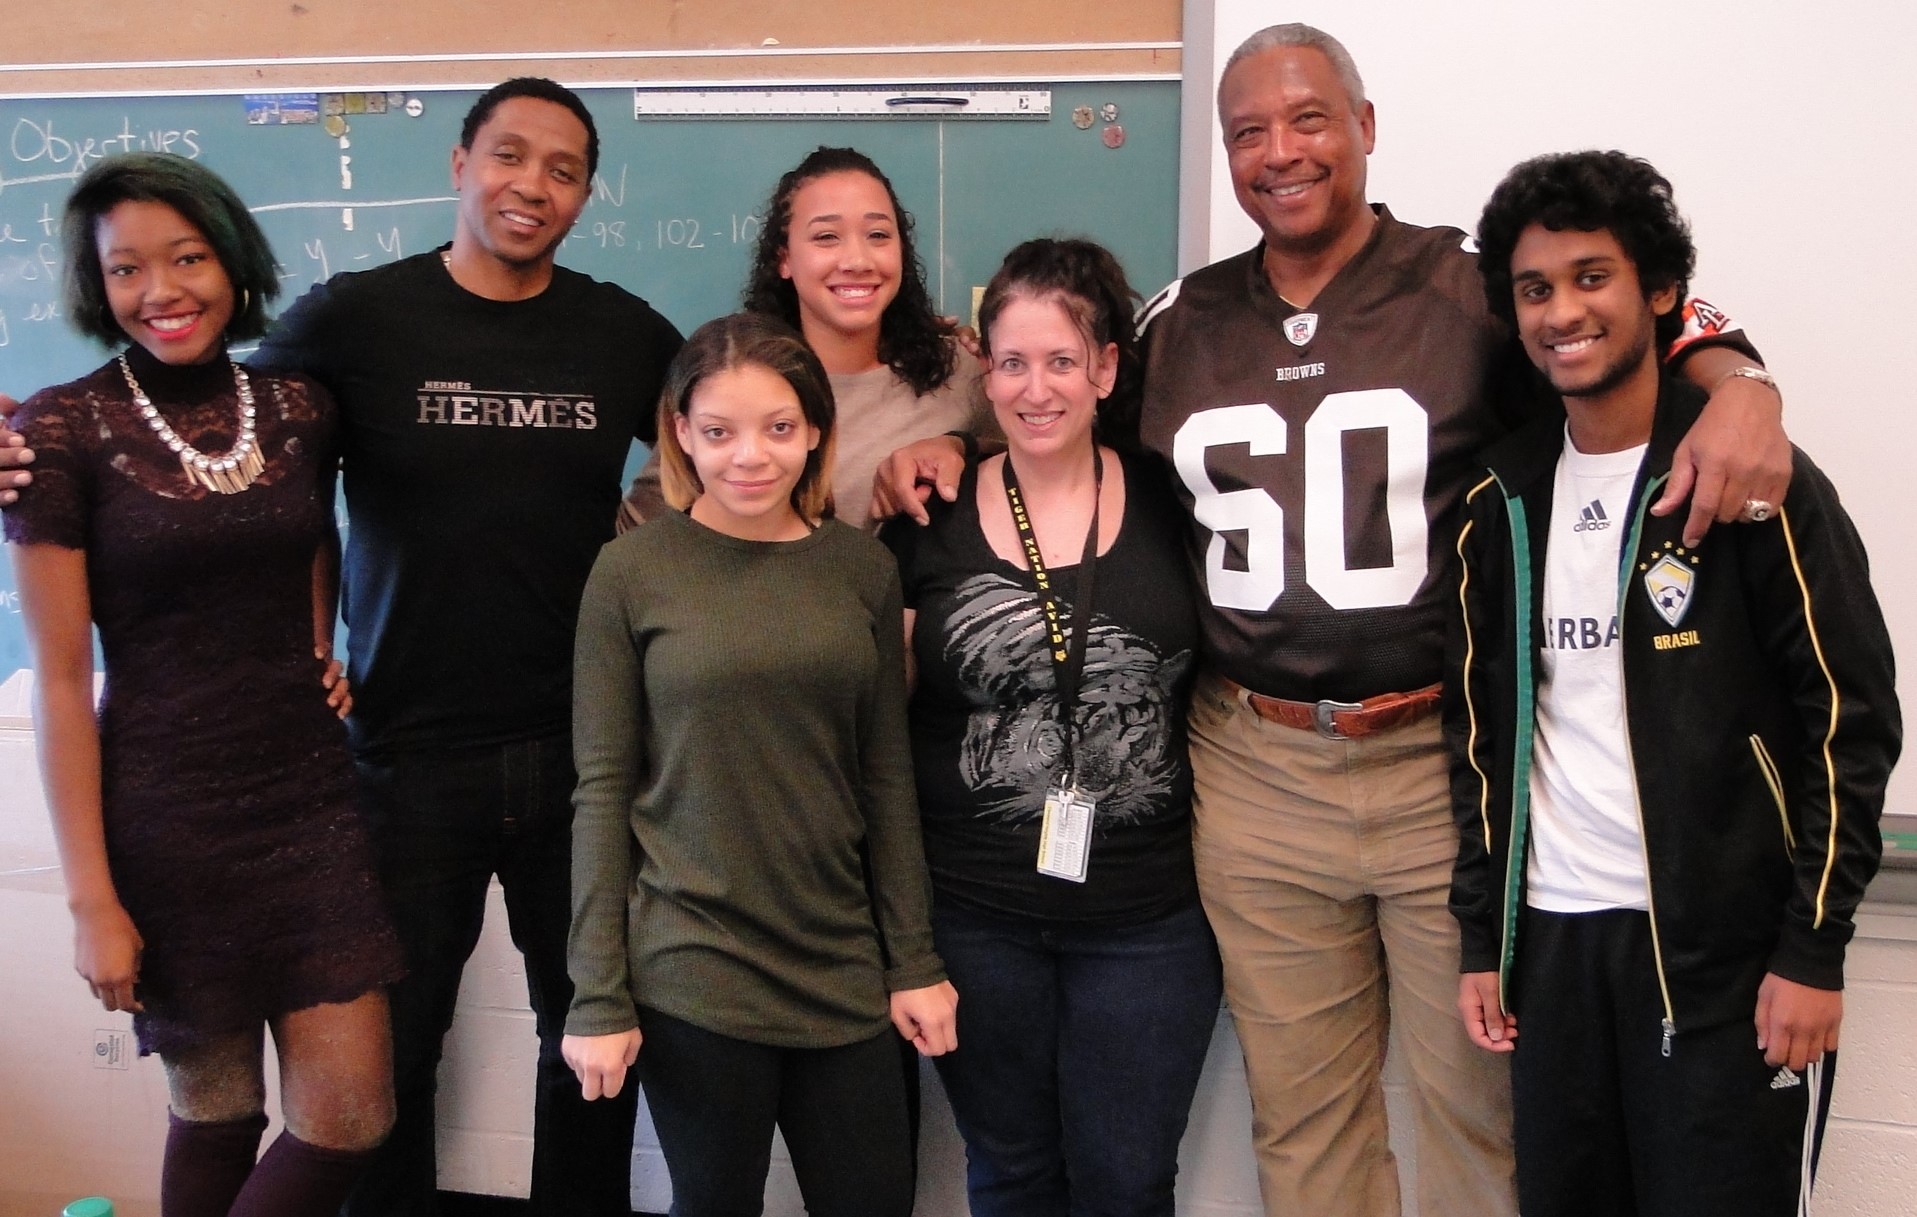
(986, 742)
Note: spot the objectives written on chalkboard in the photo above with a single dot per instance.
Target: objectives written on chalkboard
(675, 209)
(675, 204)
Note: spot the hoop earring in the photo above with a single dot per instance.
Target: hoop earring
(246, 300)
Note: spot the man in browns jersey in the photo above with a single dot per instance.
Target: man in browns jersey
(1319, 398)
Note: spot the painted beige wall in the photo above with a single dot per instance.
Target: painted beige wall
(673, 39)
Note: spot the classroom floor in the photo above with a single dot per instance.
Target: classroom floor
(461, 1204)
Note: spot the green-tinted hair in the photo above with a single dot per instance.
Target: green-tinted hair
(203, 200)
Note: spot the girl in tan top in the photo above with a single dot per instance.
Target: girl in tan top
(836, 262)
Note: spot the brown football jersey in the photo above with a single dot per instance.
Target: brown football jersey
(1322, 454)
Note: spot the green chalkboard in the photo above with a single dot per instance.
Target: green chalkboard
(674, 210)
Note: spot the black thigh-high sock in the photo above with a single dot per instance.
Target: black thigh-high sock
(297, 1179)
(206, 1164)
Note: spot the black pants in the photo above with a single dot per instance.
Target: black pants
(1608, 1126)
(715, 1101)
(443, 824)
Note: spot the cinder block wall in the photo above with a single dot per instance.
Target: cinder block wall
(74, 1121)
(1870, 1151)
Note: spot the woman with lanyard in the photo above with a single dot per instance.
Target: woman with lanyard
(1053, 631)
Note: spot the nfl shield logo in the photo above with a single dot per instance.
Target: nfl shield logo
(1300, 328)
(1669, 583)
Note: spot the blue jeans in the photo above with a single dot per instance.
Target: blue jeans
(443, 824)
(1079, 1051)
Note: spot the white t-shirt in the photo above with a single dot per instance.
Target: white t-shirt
(1587, 851)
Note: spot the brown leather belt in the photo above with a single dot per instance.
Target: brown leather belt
(1343, 719)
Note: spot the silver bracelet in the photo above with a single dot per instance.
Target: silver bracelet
(1750, 373)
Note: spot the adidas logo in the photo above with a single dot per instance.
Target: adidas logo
(1592, 518)
(1785, 1079)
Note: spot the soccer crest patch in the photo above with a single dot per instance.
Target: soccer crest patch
(1669, 583)
(1300, 327)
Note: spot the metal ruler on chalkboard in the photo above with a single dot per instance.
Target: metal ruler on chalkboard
(846, 101)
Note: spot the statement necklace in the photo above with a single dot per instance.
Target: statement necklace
(227, 474)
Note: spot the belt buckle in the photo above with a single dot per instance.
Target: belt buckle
(1322, 720)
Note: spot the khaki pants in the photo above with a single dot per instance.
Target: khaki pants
(1324, 866)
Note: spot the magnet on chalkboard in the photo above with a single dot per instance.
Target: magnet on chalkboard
(335, 124)
(332, 103)
(415, 107)
(1082, 117)
(355, 103)
(376, 103)
(280, 110)
(395, 100)
(1109, 111)
(1114, 136)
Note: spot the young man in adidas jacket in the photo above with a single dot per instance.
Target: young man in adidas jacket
(1668, 760)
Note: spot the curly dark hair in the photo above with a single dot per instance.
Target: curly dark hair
(1589, 192)
(203, 200)
(539, 89)
(1090, 285)
(913, 338)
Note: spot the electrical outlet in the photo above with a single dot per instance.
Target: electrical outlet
(112, 1049)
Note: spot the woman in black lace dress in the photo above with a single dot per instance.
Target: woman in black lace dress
(218, 874)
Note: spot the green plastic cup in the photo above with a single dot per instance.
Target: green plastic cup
(92, 1206)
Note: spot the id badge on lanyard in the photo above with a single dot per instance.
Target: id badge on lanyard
(1065, 836)
(1065, 840)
